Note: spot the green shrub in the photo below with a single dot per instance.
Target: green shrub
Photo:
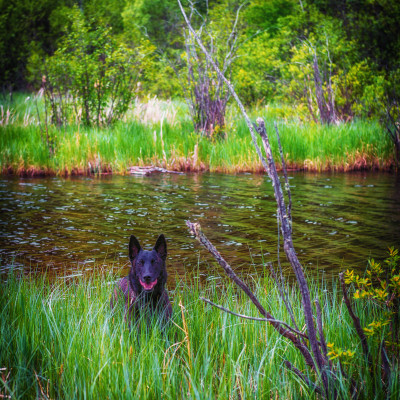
(91, 77)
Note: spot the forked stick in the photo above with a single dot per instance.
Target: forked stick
(195, 229)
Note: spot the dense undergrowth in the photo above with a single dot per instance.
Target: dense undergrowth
(161, 134)
(59, 339)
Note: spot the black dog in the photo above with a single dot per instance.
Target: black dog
(144, 287)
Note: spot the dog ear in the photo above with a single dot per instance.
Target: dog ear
(161, 247)
(134, 247)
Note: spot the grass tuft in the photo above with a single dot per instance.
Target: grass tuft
(59, 339)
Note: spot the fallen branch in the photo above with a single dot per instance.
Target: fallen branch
(145, 171)
(255, 318)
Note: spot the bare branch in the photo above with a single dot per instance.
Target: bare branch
(287, 186)
(281, 288)
(331, 94)
(208, 95)
(232, 39)
(295, 370)
(319, 93)
(326, 110)
(280, 282)
(321, 331)
(229, 86)
(255, 318)
(385, 363)
(291, 253)
(195, 229)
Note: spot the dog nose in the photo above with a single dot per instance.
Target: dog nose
(147, 278)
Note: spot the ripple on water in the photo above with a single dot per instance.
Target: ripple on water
(90, 220)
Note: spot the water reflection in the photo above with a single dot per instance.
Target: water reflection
(338, 220)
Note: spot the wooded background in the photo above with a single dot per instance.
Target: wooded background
(356, 43)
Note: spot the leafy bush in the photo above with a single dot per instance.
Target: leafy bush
(378, 332)
(381, 285)
(91, 77)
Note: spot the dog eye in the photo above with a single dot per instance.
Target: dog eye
(152, 261)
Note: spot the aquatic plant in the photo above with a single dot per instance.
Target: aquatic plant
(172, 144)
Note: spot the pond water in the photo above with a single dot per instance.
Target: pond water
(84, 223)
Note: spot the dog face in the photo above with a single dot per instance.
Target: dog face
(148, 271)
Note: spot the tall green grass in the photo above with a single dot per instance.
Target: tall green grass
(59, 339)
(162, 135)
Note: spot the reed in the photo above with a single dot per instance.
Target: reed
(59, 339)
(161, 134)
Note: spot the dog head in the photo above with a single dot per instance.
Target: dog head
(148, 272)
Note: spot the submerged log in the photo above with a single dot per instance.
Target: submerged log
(146, 171)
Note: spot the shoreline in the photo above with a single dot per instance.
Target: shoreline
(35, 172)
(84, 151)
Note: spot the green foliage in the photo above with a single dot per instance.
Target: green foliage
(277, 61)
(61, 340)
(373, 25)
(91, 77)
(156, 26)
(257, 69)
(25, 30)
(381, 285)
(158, 77)
(345, 356)
(158, 20)
(106, 13)
(360, 144)
(378, 331)
(356, 44)
(268, 15)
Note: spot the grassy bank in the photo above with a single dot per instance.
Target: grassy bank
(160, 134)
(60, 340)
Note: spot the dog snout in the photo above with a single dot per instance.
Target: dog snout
(147, 279)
